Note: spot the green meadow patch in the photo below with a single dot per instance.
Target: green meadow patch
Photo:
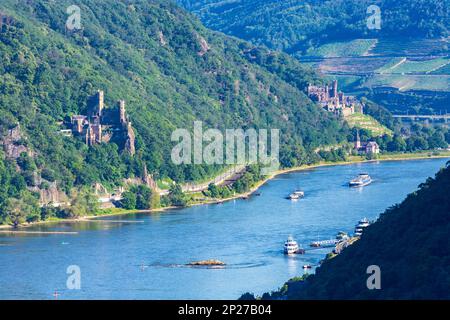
(354, 48)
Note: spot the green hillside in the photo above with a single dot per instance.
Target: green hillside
(298, 25)
(410, 244)
(170, 70)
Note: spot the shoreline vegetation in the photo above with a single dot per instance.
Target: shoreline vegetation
(352, 160)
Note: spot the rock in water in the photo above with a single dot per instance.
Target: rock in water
(206, 263)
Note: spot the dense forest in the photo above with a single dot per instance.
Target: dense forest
(297, 25)
(410, 244)
(170, 70)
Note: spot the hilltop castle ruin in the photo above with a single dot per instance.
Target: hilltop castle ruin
(104, 124)
(333, 100)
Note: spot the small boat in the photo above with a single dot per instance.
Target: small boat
(307, 266)
(361, 180)
(297, 194)
(291, 246)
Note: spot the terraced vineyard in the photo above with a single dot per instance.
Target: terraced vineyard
(410, 82)
(352, 65)
(419, 65)
(367, 122)
(443, 70)
(406, 66)
(392, 64)
(354, 48)
(416, 47)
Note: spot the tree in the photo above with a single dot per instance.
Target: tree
(22, 209)
(437, 140)
(397, 144)
(213, 190)
(84, 203)
(129, 200)
(155, 201)
(176, 196)
(143, 197)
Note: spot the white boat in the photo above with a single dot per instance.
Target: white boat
(291, 246)
(361, 180)
(298, 194)
(359, 228)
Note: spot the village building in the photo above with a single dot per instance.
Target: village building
(104, 124)
(367, 148)
(335, 101)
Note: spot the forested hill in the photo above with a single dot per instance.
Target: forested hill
(411, 245)
(300, 24)
(170, 70)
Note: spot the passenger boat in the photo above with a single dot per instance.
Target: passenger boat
(359, 228)
(361, 180)
(291, 246)
(298, 194)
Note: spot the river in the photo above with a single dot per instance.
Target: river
(142, 256)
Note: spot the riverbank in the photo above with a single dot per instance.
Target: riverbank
(352, 160)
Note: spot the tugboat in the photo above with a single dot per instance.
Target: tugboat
(291, 247)
(361, 180)
(297, 194)
(359, 228)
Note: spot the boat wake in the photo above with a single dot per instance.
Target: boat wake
(227, 266)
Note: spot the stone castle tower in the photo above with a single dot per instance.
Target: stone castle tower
(358, 141)
(100, 124)
(335, 89)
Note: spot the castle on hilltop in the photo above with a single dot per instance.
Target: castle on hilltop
(104, 124)
(335, 101)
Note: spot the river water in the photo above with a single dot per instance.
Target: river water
(144, 256)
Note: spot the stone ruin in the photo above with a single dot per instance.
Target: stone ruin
(102, 124)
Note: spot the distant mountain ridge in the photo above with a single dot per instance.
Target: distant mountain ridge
(299, 24)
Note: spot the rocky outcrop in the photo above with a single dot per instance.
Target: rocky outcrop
(148, 179)
(52, 195)
(130, 140)
(14, 143)
(162, 39)
(204, 46)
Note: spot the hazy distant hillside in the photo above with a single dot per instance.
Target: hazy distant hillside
(298, 24)
(170, 70)
(410, 243)
(403, 66)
